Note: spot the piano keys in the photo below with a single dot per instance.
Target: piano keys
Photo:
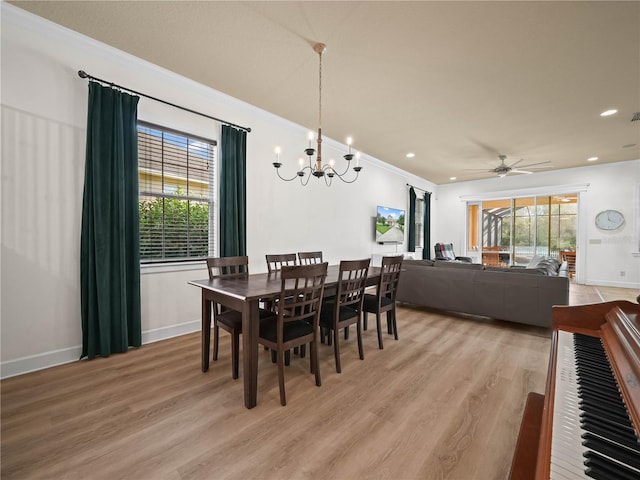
(586, 425)
(592, 433)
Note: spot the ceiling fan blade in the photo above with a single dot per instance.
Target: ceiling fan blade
(520, 171)
(516, 163)
(534, 164)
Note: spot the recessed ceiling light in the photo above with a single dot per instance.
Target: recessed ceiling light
(411, 155)
(607, 113)
(452, 178)
(592, 159)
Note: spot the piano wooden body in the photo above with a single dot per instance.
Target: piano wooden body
(617, 325)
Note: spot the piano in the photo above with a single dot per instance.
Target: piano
(587, 423)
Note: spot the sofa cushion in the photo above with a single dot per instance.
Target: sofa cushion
(454, 264)
(424, 263)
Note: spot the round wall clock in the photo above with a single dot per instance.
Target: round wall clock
(609, 219)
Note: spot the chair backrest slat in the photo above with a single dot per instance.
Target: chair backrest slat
(301, 292)
(228, 266)
(275, 262)
(389, 276)
(308, 258)
(351, 282)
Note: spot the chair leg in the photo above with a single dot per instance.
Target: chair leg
(216, 332)
(379, 329)
(287, 358)
(389, 328)
(235, 355)
(359, 335)
(315, 365)
(283, 400)
(303, 351)
(364, 321)
(336, 349)
(274, 358)
(346, 333)
(395, 323)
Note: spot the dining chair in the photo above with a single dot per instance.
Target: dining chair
(385, 298)
(297, 317)
(308, 258)
(227, 319)
(277, 260)
(346, 307)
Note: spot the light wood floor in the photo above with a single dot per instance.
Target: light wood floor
(445, 401)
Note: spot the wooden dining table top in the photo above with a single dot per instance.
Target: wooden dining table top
(260, 285)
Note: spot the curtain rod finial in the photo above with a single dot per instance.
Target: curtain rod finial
(82, 74)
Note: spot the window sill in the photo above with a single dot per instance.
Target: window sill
(152, 268)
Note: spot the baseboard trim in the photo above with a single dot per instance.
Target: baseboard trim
(32, 363)
(603, 283)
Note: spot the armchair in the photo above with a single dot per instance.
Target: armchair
(444, 251)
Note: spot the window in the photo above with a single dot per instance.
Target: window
(177, 191)
(419, 221)
(516, 229)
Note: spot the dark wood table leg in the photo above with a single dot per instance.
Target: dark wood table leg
(206, 330)
(250, 326)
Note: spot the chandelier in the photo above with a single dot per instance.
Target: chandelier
(320, 170)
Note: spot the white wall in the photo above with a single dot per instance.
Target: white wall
(601, 255)
(44, 109)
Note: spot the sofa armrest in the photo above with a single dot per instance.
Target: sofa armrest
(464, 259)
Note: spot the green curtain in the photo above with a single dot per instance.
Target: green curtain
(412, 223)
(233, 192)
(426, 248)
(110, 244)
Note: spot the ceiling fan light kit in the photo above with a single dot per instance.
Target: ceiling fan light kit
(505, 169)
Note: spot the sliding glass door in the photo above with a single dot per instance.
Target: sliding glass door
(513, 230)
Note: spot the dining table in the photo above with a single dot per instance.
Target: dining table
(244, 295)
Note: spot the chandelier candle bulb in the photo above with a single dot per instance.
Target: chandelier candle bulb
(277, 163)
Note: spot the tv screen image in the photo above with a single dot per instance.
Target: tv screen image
(389, 225)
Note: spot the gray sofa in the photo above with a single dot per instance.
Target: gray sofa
(512, 294)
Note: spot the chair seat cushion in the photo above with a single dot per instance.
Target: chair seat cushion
(328, 310)
(371, 302)
(290, 330)
(233, 318)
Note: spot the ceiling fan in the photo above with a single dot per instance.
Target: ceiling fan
(505, 169)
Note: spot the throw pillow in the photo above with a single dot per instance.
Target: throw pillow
(551, 265)
(533, 263)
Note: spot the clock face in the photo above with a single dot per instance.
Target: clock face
(609, 219)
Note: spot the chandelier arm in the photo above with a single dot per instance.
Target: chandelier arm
(286, 179)
(346, 170)
(303, 182)
(348, 181)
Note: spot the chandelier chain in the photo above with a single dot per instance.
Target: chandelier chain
(320, 93)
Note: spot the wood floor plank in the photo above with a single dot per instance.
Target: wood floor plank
(444, 401)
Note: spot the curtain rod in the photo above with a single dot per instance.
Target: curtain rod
(418, 188)
(83, 74)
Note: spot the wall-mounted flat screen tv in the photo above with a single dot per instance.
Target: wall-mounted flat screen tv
(389, 225)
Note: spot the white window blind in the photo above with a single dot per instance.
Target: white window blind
(177, 192)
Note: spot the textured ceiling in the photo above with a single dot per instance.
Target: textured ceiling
(457, 83)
